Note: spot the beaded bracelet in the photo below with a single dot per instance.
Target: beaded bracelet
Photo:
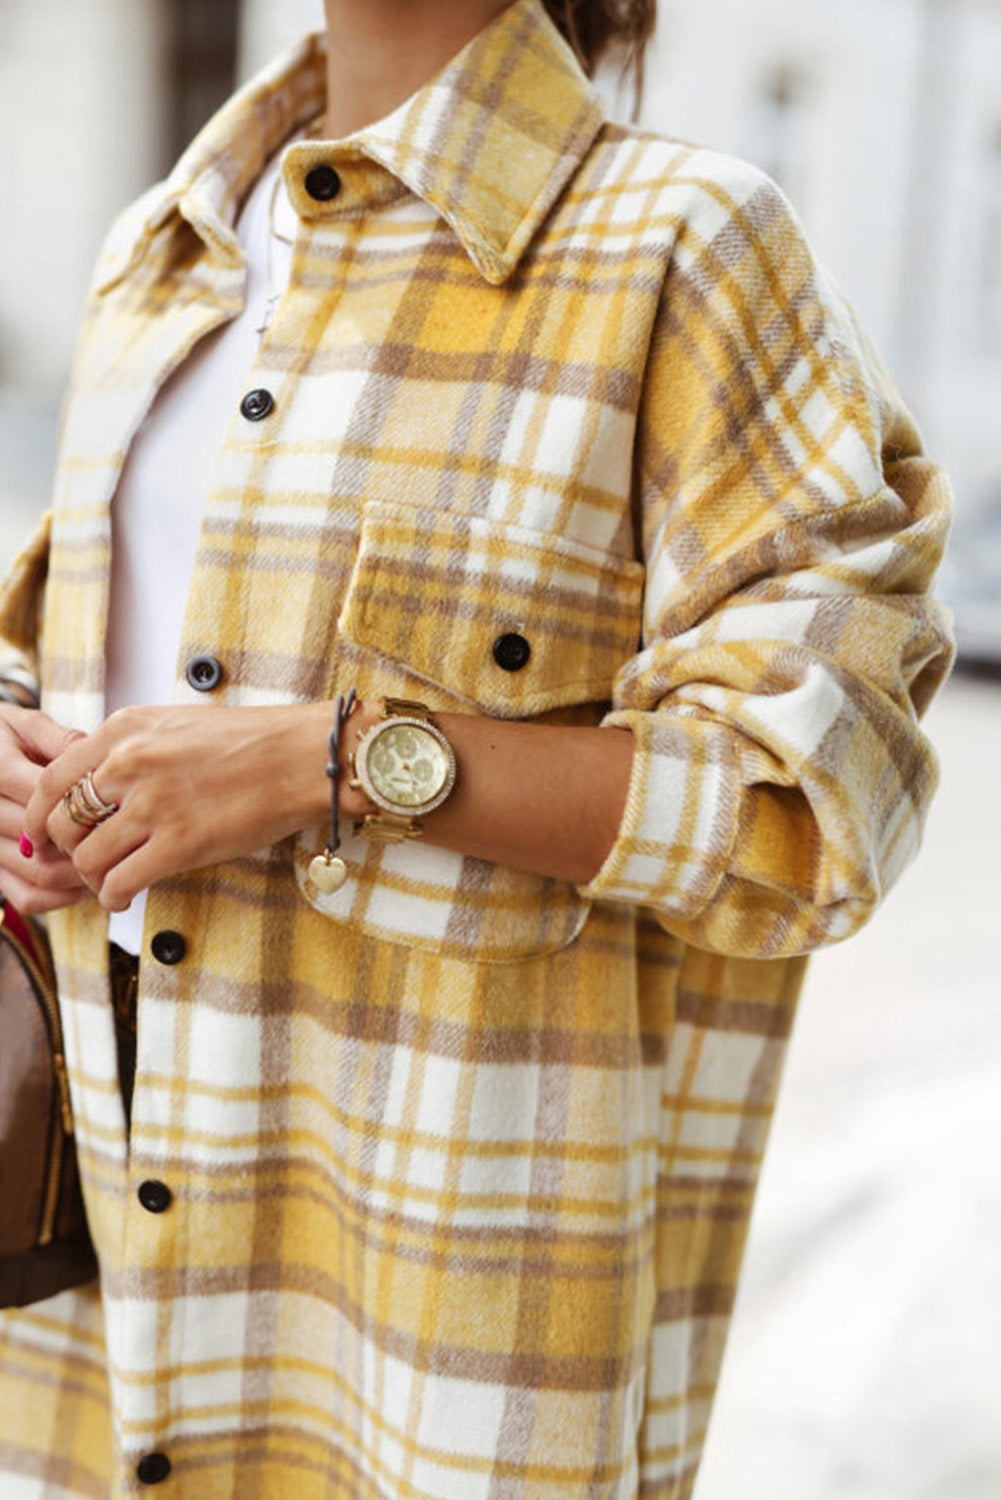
(328, 871)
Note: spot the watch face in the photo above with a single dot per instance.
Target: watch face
(408, 768)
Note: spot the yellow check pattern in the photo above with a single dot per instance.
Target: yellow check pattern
(462, 1159)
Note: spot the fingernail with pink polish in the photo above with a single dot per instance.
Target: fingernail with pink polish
(25, 845)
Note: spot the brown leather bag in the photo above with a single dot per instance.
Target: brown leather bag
(45, 1245)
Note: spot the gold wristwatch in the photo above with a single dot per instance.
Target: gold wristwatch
(406, 766)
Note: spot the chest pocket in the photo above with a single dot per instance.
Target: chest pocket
(468, 615)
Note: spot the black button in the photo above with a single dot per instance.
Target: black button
(323, 183)
(204, 673)
(511, 651)
(153, 1468)
(258, 404)
(154, 1196)
(168, 947)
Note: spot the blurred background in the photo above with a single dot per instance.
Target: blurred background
(864, 1362)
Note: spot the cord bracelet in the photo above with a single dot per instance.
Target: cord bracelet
(328, 871)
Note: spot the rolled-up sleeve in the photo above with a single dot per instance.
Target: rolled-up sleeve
(22, 594)
(790, 526)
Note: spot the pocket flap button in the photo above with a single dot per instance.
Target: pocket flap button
(511, 651)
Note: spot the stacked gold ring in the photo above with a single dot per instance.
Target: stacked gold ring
(85, 804)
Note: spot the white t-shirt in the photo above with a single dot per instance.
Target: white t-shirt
(158, 506)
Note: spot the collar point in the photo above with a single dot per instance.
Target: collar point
(495, 269)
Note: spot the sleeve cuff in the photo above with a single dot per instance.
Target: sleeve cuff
(18, 685)
(20, 599)
(681, 815)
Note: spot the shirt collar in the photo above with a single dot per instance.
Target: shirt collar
(489, 143)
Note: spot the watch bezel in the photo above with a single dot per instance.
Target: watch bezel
(371, 736)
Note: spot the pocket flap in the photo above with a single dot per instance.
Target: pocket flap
(438, 591)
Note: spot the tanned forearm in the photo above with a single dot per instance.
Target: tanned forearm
(195, 787)
(537, 797)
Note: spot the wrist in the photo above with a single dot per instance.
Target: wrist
(353, 801)
(313, 733)
(306, 731)
(405, 766)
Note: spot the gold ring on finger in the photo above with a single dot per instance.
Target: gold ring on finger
(92, 799)
(85, 806)
(80, 814)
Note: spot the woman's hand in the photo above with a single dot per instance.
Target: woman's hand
(197, 786)
(193, 786)
(29, 740)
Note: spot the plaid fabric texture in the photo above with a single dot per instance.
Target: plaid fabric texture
(462, 1159)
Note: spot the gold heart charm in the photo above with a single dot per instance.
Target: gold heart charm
(327, 873)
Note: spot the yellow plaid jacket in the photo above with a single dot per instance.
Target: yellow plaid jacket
(461, 1159)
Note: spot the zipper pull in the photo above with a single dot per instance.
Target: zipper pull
(63, 1084)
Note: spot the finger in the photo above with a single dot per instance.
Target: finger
(63, 831)
(53, 784)
(32, 900)
(20, 774)
(143, 867)
(80, 755)
(11, 824)
(67, 834)
(42, 738)
(47, 871)
(106, 847)
(11, 818)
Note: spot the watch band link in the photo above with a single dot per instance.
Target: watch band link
(406, 706)
(388, 827)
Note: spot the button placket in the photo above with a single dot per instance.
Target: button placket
(168, 947)
(204, 673)
(153, 1226)
(257, 404)
(155, 1196)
